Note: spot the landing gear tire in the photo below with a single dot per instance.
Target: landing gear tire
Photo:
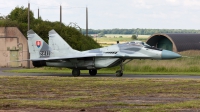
(119, 73)
(93, 72)
(76, 72)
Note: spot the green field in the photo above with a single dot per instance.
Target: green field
(110, 39)
(98, 94)
(125, 36)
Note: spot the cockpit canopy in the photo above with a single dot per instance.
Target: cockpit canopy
(144, 44)
(140, 43)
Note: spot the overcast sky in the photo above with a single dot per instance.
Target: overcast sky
(108, 14)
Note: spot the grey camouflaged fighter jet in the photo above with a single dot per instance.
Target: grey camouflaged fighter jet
(59, 54)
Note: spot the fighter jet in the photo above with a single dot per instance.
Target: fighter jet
(60, 54)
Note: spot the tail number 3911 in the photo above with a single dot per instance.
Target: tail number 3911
(44, 53)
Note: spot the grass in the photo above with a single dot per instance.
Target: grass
(101, 71)
(110, 94)
(183, 64)
(110, 39)
(125, 36)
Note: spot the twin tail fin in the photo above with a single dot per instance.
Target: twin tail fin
(38, 48)
(57, 43)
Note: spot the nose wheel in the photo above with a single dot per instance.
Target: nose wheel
(119, 73)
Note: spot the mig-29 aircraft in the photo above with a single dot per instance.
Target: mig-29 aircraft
(59, 54)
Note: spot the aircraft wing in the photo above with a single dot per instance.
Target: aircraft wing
(91, 55)
(65, 57)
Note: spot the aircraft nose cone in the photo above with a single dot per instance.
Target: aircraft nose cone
(169, 55)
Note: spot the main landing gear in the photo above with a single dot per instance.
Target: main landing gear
(93, 72)
(119, 73)
(76, 72)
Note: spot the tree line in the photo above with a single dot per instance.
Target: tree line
(139, 31)
(18, 18)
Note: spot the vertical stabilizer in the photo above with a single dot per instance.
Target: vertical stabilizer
(38, 48)
(58, 44)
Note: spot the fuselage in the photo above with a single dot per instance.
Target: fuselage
(129, 50)
(60, 54)
(113, 55)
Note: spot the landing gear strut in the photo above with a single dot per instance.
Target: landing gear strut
(93, 72)
(119, 73)
(76, 72)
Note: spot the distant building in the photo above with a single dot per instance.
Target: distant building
(13, 47)
(175, 42)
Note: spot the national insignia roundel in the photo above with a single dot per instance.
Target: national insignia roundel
(38, 43)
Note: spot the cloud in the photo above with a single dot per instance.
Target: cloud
(118, 13)
(191, 3)
(174, 2)
(141, 4)
(184, 3)
(44, 3)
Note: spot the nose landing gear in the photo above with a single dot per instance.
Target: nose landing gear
(119, 73)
